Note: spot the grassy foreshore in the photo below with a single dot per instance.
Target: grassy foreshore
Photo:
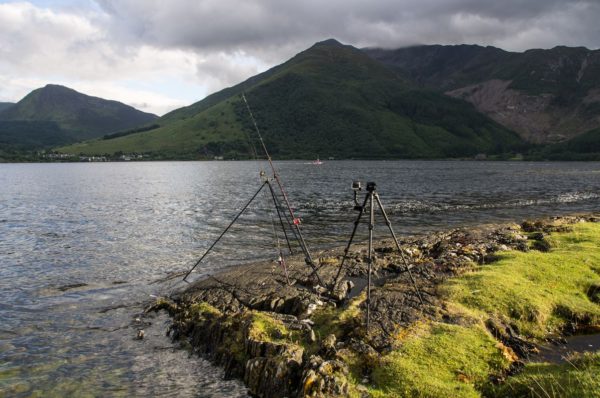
(490, 298)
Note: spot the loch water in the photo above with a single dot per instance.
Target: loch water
(84, 247)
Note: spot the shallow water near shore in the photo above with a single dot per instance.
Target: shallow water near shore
(84, 247)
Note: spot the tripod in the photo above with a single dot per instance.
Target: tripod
(371, 196)
(293, 224)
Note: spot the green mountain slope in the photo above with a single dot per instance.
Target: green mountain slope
(66, 115)
(585, 146)
(544, 95)
(5, 105)
(330, 100)
(24, 135)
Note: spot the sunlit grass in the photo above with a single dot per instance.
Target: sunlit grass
(538, 292)
(579, 377)
(440, 360)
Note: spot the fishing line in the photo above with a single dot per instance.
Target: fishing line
(295, 220)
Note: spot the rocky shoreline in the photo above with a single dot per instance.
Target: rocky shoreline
(302, 339)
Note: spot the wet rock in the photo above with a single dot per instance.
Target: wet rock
(536, 236)
(72, 286)
(363, 391)
(277, 304)
(340, 291)
(319, 289)
(522, 246)
(594, 293)
(509, 337)
(362, 348)
(542, 245)
(272, 377)
(328, 349)
(531, 226)
(163, 303)
(311, 336)
(324, 378)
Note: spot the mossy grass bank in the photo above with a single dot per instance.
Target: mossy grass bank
(491, 298)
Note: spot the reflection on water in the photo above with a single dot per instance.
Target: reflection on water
(81, 244)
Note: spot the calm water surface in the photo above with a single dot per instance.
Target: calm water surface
(83, 248)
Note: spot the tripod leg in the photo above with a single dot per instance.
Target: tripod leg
(289, 222)
(307, 257)
(389, 225)
(281, 258)
(370, 265)
(276, 203)
(225, 231)
(339, 271)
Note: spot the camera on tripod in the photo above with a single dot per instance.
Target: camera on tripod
(371, 199)
(357, 187)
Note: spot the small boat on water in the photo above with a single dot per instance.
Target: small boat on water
(317, 162)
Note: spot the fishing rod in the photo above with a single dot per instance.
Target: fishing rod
(295, 220)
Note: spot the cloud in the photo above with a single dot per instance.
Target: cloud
(162, 54)
(233, 25)
(41, 46)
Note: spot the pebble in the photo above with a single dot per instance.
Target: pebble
(312, 336)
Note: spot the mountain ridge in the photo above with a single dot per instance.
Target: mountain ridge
(546, 95)
(5, 105)
(65, 114)
(322, 97)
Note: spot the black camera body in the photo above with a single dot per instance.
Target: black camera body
(357, 187)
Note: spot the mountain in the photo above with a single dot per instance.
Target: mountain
(330, 100)
(5, 105)
(55, 115)
(546, 96)
(25, 135)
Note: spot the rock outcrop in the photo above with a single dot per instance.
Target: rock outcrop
(298, 339)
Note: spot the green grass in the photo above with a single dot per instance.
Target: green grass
(439, 361)
(203, 310)
(580, 377)
(266, 328)
(214, 132)
(337, 321)
(539, 292)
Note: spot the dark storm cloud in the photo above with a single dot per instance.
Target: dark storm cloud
(168, 53)
(269, 25)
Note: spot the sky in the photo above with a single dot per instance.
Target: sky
(160, 55)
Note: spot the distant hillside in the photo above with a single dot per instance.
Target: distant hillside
(24, 135)
(5, 105)
(544, 95)
(55, 115)
(330, 100)
(585, 146)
